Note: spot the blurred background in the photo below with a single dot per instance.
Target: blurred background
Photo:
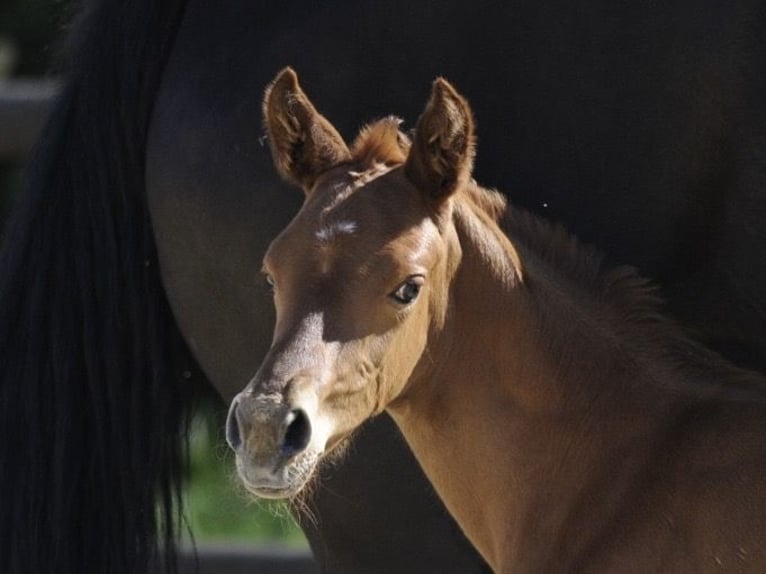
(217, 509)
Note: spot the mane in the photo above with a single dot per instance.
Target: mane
(380, 142)
(622, 287)
(632, 303)
(581, 265)
(91, 409)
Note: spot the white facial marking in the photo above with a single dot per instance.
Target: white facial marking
(333, 230)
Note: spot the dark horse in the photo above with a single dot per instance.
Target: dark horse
(640, 129)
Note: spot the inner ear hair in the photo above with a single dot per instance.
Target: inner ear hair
(303, 143)
(441, 157)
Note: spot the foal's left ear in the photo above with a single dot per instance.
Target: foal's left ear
(441, 156)
(303, 143)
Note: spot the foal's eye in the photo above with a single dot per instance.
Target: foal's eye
(408, 291)
(269, 281)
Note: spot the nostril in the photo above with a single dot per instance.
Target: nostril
(297, 433)
(232, 428)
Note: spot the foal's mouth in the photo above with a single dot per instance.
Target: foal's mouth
(284, 481)
(269, 492)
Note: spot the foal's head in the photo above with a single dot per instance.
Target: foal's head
(360, 278)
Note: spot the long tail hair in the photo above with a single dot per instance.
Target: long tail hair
(91, 410)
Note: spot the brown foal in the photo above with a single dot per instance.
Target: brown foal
(565, 423)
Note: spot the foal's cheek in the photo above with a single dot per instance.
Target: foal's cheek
(407, 348)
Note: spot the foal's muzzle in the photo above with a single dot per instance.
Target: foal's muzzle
(293, 436)
(269, 438)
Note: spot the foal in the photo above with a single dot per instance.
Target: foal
(566, 425)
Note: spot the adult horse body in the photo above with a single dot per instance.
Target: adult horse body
(641, 129)
(566, 425)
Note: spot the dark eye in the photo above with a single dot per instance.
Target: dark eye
(269, 281)
(408, 291)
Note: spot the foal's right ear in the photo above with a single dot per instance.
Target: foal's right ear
(303, 143)
(441, 157)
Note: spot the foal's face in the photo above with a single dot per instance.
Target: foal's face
(360, 280)
(353, 276)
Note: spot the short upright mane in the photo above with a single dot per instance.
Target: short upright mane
(381, 142)
(622, 286)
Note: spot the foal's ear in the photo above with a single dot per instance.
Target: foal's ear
(303, 143)
(441, 156)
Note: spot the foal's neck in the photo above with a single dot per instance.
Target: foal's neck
(534, 396)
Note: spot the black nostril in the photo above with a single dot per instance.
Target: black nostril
(232, 427)
(297, 433)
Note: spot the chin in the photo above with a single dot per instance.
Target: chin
(284, 482)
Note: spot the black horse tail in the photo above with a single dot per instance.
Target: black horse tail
(92, 411)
